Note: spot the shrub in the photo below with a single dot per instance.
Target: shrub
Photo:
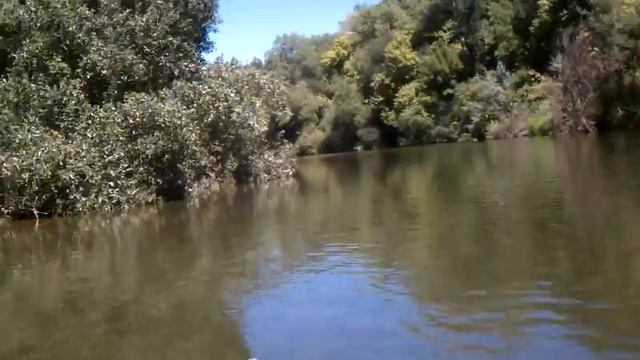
(540, 121)
(310, 142)
(506, 106)
(409, 115)
(148, 147)
(582, 71)
(107, 104)
(479, 102)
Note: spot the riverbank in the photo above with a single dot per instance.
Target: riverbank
(93, 120)
(415, 73)
(416, 253)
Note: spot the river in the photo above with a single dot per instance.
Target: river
(523, 249)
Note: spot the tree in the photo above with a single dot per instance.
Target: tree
(582, 71)
(465, 67)
(107, 104)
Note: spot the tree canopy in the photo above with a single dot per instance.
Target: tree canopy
(107, 104)
(421, 71)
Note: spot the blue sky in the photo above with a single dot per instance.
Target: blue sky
(250, 26)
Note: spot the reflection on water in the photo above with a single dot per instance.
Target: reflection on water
(515, 249)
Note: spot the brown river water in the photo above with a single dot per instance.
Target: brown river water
(524, 249)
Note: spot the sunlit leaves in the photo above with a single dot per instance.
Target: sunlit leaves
(338, 54)
(106, 105)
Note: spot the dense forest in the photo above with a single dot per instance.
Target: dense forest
(106, 104)
(408, 72)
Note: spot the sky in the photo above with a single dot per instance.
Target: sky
(249, 27)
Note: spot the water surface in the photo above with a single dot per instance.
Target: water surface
(525, 249)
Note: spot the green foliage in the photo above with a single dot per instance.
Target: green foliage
(401, 60)
(540, 123)
(307, 107)
(409, 116)
(615, 30)
(311, 141)
(465, 68)
(296, 58)
(106, 105)
(442, 63)
(504, 106)
(497, 33)
(583, 70)
(480, 102)
(346, 114)
(335, 58)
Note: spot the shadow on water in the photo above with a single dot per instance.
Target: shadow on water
(142, 286)
(511, 249)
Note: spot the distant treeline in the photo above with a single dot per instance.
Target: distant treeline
(407, 72)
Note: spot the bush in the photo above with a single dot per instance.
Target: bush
(409, 116)
(540, 122)
(307, 109)
(65, 157)
(582, 70)
(310, 142)
(344, 114)
(107, 104)
(480, 102)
